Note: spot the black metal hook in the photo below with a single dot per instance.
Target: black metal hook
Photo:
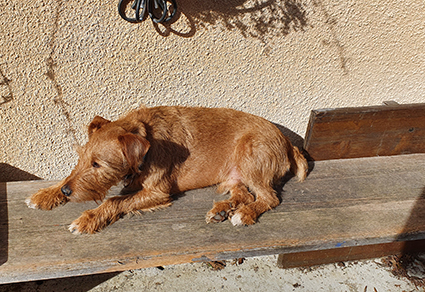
(151, 7)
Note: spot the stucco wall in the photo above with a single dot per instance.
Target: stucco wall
(63, 62)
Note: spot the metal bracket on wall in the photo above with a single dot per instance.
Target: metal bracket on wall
(165, 8)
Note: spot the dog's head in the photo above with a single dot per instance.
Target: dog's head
(114, 150)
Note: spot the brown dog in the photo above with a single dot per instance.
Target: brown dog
(166, 150)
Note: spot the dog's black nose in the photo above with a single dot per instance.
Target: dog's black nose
(66, 190)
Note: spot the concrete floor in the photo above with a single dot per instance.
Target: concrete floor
(254, 274)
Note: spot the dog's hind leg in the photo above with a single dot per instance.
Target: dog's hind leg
(266, 200)
(260, 164)
(239, 196)
(113, 209)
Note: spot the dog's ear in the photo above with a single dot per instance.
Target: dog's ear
(96, 124)
(134, 148)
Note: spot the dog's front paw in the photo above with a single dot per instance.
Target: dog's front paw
(74, 228)
(243, 216)
(92, 221)
(88, 222)
(47, 199)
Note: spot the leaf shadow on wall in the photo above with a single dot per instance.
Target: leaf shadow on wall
(260, 19)
(7, 96)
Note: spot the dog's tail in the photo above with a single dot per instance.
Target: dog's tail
(299, 165)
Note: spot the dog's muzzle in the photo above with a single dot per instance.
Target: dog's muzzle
(66, 190)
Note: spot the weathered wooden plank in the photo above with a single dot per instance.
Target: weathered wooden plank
(343, 203)
(366, 131)
(351, 253)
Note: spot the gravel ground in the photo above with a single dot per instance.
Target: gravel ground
(252, 274)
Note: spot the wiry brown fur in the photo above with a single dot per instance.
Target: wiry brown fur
(165, 150)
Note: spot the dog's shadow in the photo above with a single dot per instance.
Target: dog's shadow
(298, 141)
(158, 157)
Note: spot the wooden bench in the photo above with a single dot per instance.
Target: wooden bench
(361, 132)
(347, 208)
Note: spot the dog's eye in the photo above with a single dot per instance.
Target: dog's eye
(95, 164)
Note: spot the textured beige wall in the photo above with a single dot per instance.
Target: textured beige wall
(63, 62)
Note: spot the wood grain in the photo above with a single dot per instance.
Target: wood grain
(343, 203)
(351, 253)
(366, 131)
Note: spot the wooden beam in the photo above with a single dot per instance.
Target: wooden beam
(351, 253)
(391, 129)
(342, 204)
